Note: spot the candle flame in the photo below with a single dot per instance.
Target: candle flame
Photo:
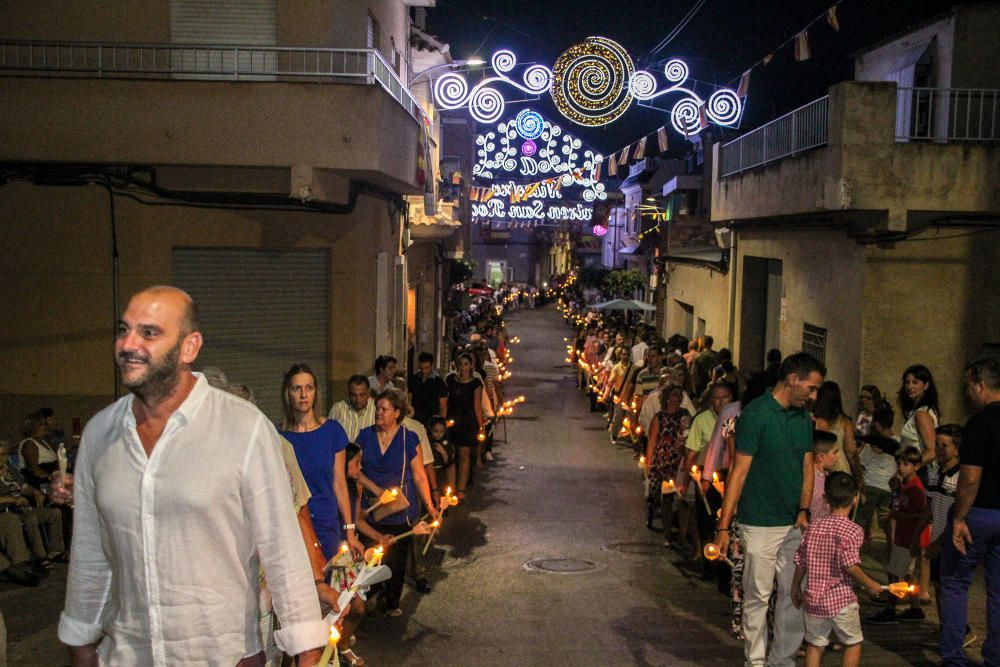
(334, 634)
(450, 423)
(711, 551)
(447, 491)
(435, 524)
(343, 547)
(378, 550)
(638, 430)
(694, 470)
(715, 477)
(394, 492)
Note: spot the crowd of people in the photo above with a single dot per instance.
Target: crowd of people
(202, 529)
(762, 479)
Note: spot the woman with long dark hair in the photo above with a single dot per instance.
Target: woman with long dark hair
(319, 445)
(665, 452)
(465, 409)
(868, 400)
(918, 398)
(829, 412)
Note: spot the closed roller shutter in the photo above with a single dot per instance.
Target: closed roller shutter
(261, 311)
(221, 23)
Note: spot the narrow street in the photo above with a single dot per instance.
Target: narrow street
(560, 495)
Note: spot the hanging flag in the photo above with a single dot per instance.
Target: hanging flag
(640, 149)
(802, 51)
(612, 166)
(741, 90)
(767, 59)
(597, 172)
(702, 117)
(473, 193)
(623, 159)
(661, 138)
(831, 18)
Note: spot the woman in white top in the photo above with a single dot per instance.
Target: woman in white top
(38, 458)
(918, 399)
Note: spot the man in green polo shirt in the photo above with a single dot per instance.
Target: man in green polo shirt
(771, 481)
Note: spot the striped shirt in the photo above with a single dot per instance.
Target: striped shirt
(941, 489)
(353, 420)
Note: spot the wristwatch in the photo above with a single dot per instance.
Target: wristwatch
(807, 511)
(350, 526)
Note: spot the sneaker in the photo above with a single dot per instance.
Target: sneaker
(912, 615)
(395, 612)
(884, 617)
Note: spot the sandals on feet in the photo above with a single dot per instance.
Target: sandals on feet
(350, 658)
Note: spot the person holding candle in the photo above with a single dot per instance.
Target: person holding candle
(319, 445)
(665, 452)
(390, 457)
(465, 407)
(830, 554)
(180, 496)
(771, 483)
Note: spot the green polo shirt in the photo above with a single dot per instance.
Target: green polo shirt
(778, 439)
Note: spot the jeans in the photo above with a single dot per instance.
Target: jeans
(769, 554)
(956, 577)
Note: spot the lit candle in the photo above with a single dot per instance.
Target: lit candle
(668, 486)
(450, 423)
(331, 649)
(711, 552)
(642, 462)
(481, 437)
(717, 484)
(900, 589)
(638, 430)
(344, 548)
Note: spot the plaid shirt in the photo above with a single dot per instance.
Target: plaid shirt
(828, 549)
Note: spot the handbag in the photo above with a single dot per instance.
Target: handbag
(400, 503)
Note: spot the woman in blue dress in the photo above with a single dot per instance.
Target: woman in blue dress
(390, 457)
(319, 448)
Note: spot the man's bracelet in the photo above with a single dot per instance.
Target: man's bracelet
(722, 530)
(350, 526)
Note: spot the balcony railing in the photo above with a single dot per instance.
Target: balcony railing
(947, 115)
(796, 131)
(204, 62)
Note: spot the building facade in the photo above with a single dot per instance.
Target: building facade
(264, 170)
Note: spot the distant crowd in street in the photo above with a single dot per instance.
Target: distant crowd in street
(762, 479)
(204, 533)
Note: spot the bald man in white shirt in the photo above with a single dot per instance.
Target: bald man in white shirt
(180, 496)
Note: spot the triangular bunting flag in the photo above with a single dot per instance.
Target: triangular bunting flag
(640, 149)
(661, 139)
(597, 172)
(802, 51)
(623, 158)
(474, 193)
(702, 117)
(831, 18)
(612, 166)
(741, 90)
(767, 59)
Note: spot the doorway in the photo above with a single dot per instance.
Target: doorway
(760, 316)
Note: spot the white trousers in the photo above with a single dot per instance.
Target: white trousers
(769, 554)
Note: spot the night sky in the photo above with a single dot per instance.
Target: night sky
(722, 40)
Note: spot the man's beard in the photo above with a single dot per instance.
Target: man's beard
(160, 379)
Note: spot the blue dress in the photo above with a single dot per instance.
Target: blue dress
(316, 451)
(387, 469)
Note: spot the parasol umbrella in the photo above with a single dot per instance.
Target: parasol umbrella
(623, 304)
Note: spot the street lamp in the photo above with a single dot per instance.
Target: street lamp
(455, 63)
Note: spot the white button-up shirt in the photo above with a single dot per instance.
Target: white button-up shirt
(167, 547)
(353, 420)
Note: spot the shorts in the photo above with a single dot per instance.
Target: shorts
(900, 562)
(846, 625)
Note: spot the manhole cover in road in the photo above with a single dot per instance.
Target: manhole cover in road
(634, 548)
(561, 565)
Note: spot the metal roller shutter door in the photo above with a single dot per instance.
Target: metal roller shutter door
(261, 311)
(221, 23)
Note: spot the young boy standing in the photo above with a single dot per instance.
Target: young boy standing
(909, 501)
(825, 451)
(830, 553)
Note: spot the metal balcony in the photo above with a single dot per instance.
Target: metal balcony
(204, 62)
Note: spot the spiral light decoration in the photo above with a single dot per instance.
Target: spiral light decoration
(590, 82)
(486, 105)
(529, 124)
(450, 91)
(642, 85)
(724, 107)
(676, 71)
(685, 117)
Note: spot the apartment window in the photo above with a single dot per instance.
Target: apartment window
(814, 341)
(373, 31)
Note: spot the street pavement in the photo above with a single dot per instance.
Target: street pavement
(560, 495)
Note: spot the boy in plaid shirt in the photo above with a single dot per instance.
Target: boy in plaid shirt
(830, 553)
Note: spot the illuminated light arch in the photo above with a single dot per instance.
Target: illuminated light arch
(485, 103)
(556, 153)
(722, 108)
(591, 83)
